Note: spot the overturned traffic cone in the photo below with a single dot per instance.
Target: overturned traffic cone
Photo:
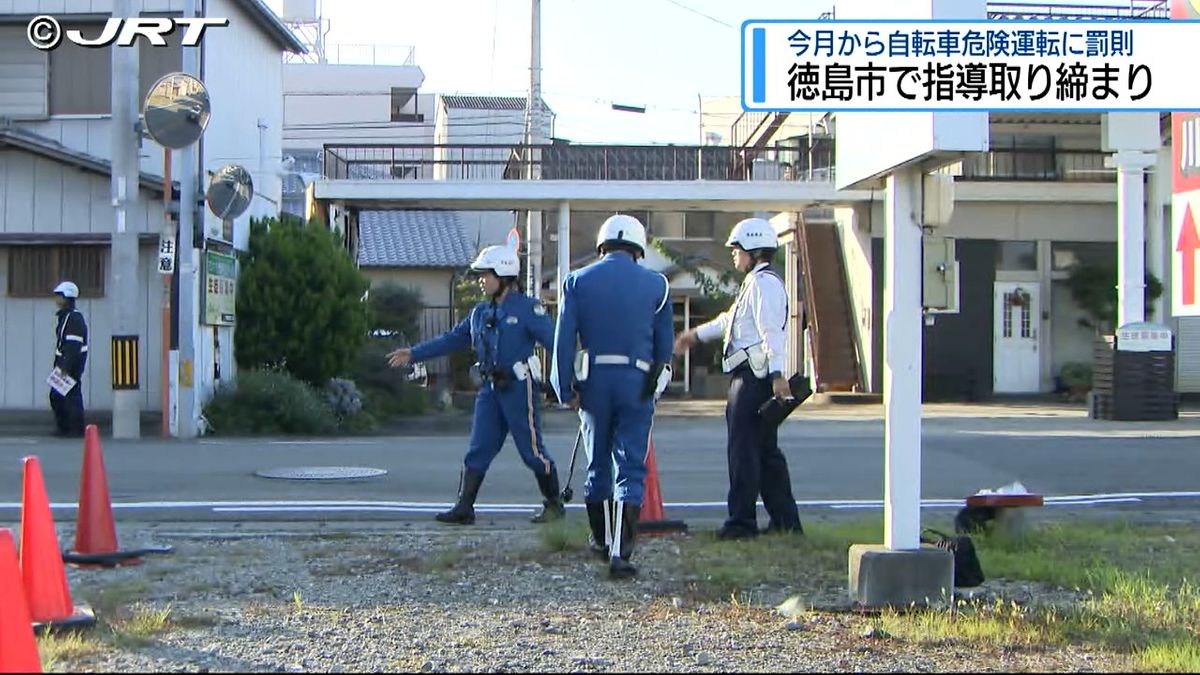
(42, 572)
(18, 649)
(95, 529)
(652, 520)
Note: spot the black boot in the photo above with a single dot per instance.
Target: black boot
(552, 506)
(596, 538)
(621, 568)
(463, 512)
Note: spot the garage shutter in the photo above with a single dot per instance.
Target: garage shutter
(1187, 355)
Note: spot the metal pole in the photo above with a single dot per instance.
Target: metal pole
(188, 262)
(564, 248)
(127, 404)
(168, 233)
(902, 362)
(533, 232)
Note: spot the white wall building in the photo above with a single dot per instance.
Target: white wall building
(56, 221)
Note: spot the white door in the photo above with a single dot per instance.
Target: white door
(1016, 366)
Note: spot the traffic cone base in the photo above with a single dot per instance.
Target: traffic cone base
(18, 649)
(652, 521)
(42, 572)
(95, 529)
(83, 617)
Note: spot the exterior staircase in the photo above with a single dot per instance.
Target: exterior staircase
(827, 304)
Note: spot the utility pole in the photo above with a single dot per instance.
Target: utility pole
(533, 232)
(126, 140)
(188, 261)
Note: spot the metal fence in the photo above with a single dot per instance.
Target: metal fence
(563, 161)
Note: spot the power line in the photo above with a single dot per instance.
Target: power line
(696, 11)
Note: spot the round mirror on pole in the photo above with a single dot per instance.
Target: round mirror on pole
(176, 110)
(229, 192)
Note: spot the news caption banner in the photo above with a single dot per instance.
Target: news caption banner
(940, 65)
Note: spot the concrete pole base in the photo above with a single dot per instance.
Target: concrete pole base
(882, 577)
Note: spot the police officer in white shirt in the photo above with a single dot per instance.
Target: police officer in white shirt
(755, 355)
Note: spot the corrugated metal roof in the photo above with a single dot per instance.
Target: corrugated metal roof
(412, 239)
(488, 102)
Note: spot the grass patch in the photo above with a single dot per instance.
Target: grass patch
(564, 535)
(57, 648)
(720, 569)
(140, 626)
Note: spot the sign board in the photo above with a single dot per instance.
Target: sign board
(1185, 199)
(1144, 337)
(166, 254)
(514, 239)
(220, 288)
(870, 144)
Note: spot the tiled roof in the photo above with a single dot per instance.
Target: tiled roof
(412, 239)
(488, 102)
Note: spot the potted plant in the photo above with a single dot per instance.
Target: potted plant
(1077, 378)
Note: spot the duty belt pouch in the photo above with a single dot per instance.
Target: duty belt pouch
(581, 365)
(535, 368)
(520, 370)
(757, 358)
(476, 374)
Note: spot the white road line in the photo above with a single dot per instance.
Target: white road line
(295, 506)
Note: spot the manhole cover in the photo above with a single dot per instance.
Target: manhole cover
(320, 472)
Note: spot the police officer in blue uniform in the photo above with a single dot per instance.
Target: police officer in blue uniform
(70, 358)
(755, 355)
(620, 313)
(502, 331)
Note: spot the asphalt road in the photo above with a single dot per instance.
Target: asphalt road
(836, 459)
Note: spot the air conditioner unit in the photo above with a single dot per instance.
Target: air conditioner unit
(766, 169)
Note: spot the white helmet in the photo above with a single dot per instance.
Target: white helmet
(753, 233)
(622, 228)
(67, 290)
(501, 260)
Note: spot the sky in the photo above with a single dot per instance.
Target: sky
(660, 54)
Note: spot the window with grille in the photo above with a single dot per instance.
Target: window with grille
(34, 271)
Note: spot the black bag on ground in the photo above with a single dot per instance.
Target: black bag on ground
(967, 571)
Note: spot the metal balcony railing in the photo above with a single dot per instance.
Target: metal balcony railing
(1076, 166)
(562, 161)
(1133, 9)
(802, 161)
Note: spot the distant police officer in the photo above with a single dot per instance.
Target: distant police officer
(620, 313)
(502, 331)
(754, 332)
(70, 357)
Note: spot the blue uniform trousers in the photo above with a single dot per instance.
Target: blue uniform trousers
(616, 424)
(499, 412)
(756, 464)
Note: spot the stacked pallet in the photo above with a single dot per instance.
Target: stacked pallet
(1132, 386)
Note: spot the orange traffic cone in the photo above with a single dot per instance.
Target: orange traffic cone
(652, 520)
(42, 572)
(18, 649)
(95, 530)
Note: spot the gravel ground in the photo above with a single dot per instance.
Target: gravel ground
(276, 597)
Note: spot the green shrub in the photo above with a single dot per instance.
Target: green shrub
(466, 296)
(269, 402)
(386, 391)
(395, 309)
(299, 301)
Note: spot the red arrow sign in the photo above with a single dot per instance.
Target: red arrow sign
(1189, 242)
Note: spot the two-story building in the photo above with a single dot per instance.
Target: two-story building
(56, 214)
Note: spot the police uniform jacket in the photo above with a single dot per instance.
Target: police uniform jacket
(500, 334)
(617, 308)
(71, 345)
(758, 317)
